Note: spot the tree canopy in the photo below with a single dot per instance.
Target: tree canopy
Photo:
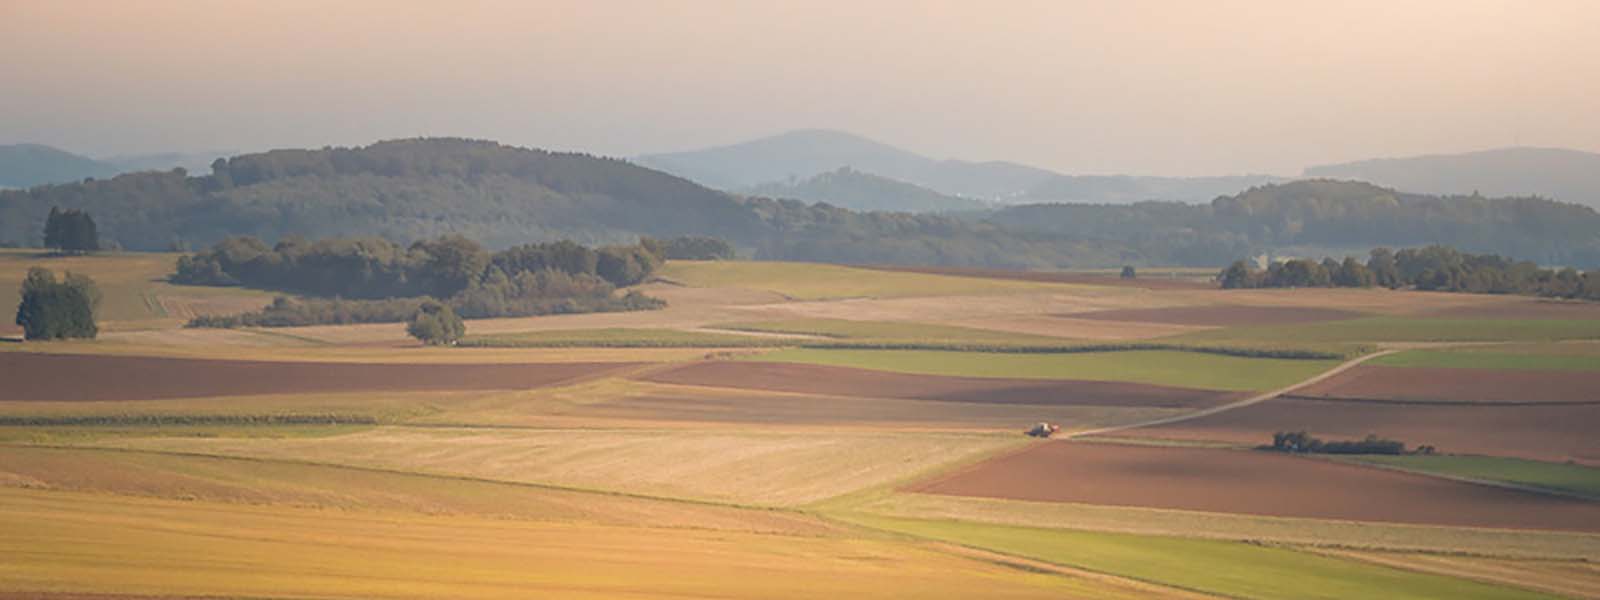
(52, 309)
(70, 230)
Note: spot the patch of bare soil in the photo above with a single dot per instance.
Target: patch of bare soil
(1258, 483)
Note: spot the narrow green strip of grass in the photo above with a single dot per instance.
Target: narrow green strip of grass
(1574, 478)
(1232, 569)
(1160, 367)
(622, 338)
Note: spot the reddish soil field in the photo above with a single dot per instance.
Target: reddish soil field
(1258, 483)
(65, 377)
(1524, 309)
(1415, 384)
(841, 381)
(1542, 432)
(1221, 316)
(1154, 282)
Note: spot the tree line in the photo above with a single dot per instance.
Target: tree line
(1300, 442)
(1433, 268)
(367, 280)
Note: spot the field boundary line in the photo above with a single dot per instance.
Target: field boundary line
(1494, 483)
(1405, 402)
(1253, 400)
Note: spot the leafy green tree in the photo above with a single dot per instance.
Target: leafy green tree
(57, 310)
(70, 231)
(436, 325)
(1128, 272)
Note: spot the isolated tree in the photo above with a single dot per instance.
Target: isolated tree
(1237, 275)
(1129, 273)
(56, 310)
(70, 230)
(436, 325)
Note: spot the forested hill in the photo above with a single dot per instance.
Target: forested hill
(857, 190)
(409, 190)
(1565, 175)
(1327, 217)
(27, 165)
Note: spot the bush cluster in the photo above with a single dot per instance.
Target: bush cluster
(1303, 443)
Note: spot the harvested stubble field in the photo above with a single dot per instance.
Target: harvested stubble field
(845, 381)
(1322, 533)
(59, 541)
(1421, 384)
(1408, 329)
(58, 377)
(770, 468)
(1228, 569)
(1539, 432)
(1258, 483)
(644, 404)
(812, 281)
(136, 293)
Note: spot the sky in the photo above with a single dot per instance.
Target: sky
(1128, 86)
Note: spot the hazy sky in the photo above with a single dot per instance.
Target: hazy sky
(1181, 87)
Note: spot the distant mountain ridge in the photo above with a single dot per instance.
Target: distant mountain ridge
(28, 165)
(794, 156)
(859, 190)
(1566, 175)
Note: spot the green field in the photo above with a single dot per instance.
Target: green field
(1488, 359)
(1231, 569)
(1161, 367)
(812, 281)
(1403, 329)
(622, 338)
(1577, 479)
(890, 330)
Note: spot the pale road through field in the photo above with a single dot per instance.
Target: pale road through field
(1256, 399)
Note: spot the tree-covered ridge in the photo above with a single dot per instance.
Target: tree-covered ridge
(1434, 268)
(857, 190)
(1329, 214)
(502, 196)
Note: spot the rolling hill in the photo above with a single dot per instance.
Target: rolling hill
(28, 165)
(1566, 175)
(857, 190)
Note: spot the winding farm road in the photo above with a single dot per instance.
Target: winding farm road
(1256, 399)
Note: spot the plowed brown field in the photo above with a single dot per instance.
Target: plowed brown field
(1459, 385)
(1258, 483)
(67, 377)
(1541, 432)
(842, 381)
(1221, 316)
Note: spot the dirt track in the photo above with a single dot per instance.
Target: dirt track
(65, 377)
(1255, 482)
(841, 381)
(1553, 433)
(1459, 385)
(1221, 316)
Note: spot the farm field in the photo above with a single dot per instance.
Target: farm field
(1156, 367)
(1540, 432)
(1452, 384)
(735, 434)
(1205, 565)
(137, 295)
(1414, 329)
(1257, 483)
(55, 542)
(1571, 478)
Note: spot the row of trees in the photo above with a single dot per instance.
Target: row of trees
(1300, 442)
(52, 309)
(1431, 268)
